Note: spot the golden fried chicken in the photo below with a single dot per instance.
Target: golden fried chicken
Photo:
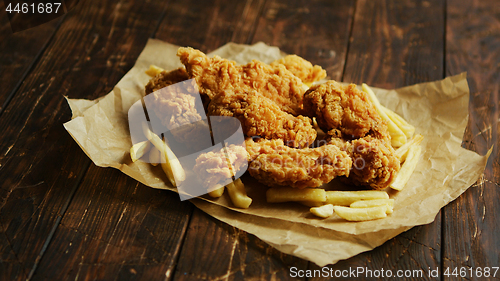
(220, 166)
(374, 163)
(176, 104)
(216, 74)
(345, 108)
(301, 68)
(166, 78)
(260, 116)
(276, 164)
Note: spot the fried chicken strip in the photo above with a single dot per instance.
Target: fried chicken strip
(260, 116)
(276, 164)
(216, 74)
(345, 108)
(220, 166)
(354, 125)
(301, 68)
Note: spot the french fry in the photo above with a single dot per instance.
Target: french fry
(407, 168)
(346, 198)
(398, 138)
(154, 156)
(216, 193)
(312, 203)
(238, 194)
(361, 214)
(402, 151)
(389, 203)
(154, 70)
(138, 150)
(169, 162)
(407, 129)
(324, 211)
(288, 194)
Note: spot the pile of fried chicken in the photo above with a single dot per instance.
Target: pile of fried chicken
(276, 111)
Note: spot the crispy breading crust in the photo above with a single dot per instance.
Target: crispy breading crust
(276, 164)
(260, 116)
(216, 74)
(302, 68)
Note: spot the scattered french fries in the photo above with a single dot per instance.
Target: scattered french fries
(346, 198)
(389, 203)
(402, 151)
(154, 156)
(290, 194)
(398, 137)
(216, 193)
(154, 70)
(238, 194)
(407, 168)
(361, 214)
(407, 129)
(324, 211)
(139, 149)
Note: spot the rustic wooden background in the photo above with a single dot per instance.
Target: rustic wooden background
(62, 218)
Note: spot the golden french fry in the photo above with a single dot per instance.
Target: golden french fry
(138, 150)
(398, 138)
(389, 203)
(154, 156)
(324, 211)
(312, 203)
(216, 193)
(402, 151)
(407, 129)
(169, 162)
(407, 168)
(154, 70)
(286, 194)
(346, 198)
(361, 214)
(238, 194)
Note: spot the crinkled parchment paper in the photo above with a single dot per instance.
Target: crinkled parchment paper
(438, 110)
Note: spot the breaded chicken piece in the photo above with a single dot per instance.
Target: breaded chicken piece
(260, 116)
(374, 163)
(276, 164)
(174, 104)
(301, 68)
(166, 78)
(216, 74)
(220, 166)
(345, 108)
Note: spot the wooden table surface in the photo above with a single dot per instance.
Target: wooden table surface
(63, 218)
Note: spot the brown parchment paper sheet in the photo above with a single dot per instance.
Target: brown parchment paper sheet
(438, 110)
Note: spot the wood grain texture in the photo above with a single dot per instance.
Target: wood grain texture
(19, 52)
(393, 44)
(39, 162)
(116, 229)
(214, 250)
(207, 25)
(471, 223)
(316, 30)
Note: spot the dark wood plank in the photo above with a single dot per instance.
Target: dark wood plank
(214, 250)
(471, 223)
(40, 165)
(116, 228)
(211, 250)
(19, 52)
(394, 44)
(316, 30)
